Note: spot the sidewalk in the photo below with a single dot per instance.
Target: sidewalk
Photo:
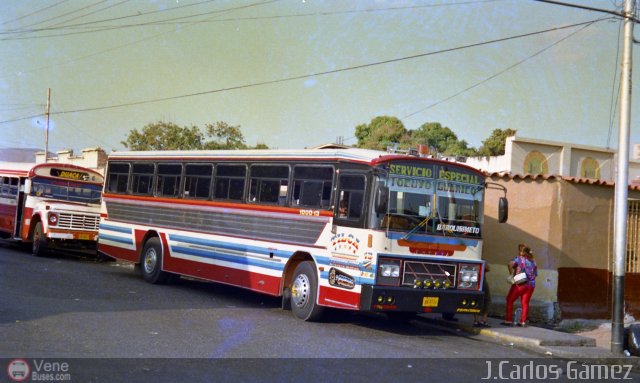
(594, 344)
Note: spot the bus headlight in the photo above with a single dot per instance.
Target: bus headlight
(468, 276)
(53, 219)
(389, 271)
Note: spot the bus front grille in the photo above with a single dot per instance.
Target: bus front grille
(429, 271)
(78, 221)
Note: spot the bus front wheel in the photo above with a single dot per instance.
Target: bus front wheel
(304, 290)
(39, 241)
(151, 262)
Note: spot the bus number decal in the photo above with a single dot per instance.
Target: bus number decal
(312, 213)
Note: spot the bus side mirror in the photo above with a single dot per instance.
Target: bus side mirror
(503, 210)
(382, 199)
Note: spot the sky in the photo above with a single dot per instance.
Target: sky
(301, 73)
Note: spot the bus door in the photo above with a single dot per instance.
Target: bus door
(349, 239)
(17, 227)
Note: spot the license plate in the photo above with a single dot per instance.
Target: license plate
(430, 302)
(84, 236)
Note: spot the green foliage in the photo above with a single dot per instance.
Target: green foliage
(226, 136)
(494, 145)
(169, 136)
(381, 132)
(384, 131)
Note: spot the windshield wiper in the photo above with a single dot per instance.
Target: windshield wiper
(416, 228)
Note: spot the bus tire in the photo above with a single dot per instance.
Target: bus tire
(304, 291)
(38, 241)
(151, 262)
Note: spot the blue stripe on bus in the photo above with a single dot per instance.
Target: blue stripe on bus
(229, 246)
(228, 258)
(112, 238)
(118, 229)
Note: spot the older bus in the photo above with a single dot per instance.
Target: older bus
(349, 229)
(50, 205)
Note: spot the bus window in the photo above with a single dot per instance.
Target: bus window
(269, 184)
(13, 187)
(4, 186)
(142, 179)
(197, 181)
(118, 179)
(230, 182)
(168, 182)
(351, 197)
(312, 186)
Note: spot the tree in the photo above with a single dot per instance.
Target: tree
(227, 136)
(443, 139)
(381, 132)
(494, 145)
(164, 136)
(169, 136)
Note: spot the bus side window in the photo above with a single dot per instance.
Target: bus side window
(197, 181)
(351, 197)
(312, 186)
(168, 182)
(229, 182)
(269, 184)
(118, 178)
(14, 187)
(4, 186)
(142, 178)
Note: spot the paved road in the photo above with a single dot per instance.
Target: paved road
(64, 307)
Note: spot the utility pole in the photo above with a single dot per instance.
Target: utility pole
(46, 132)
(622, 184)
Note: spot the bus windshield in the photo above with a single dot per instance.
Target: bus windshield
(444, 199)
(66, 190)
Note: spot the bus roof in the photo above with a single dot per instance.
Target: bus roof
(365, 156)
(16, 168)
(29, 169)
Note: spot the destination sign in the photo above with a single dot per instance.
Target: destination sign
(458, 176)
(69, 174)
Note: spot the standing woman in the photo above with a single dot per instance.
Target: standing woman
(523, 263)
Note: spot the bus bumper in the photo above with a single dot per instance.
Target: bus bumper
(403, 299)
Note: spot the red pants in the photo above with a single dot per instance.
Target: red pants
(524, 292)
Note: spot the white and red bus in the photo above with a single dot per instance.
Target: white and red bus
(50, 205)
(350, 229)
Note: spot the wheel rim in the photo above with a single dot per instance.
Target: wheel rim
(300, 290)
(150, 260)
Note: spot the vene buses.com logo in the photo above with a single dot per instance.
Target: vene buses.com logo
(18, 370)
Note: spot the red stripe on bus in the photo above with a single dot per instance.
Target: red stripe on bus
(348, 299)
(253, 281)
(118, 252)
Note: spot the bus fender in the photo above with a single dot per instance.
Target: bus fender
(287, 276)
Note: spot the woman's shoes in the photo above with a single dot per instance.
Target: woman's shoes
(522, 324)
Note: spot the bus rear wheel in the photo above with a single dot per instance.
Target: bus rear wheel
(304, 291)
(38, 241)
(151, 262)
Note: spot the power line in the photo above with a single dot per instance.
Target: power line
(504, 70)
(176, 20)
(223, 11)
(141, 14)
(571, 5)
(612, 107)
(62, 15)
(324, 73)
(34, 12)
